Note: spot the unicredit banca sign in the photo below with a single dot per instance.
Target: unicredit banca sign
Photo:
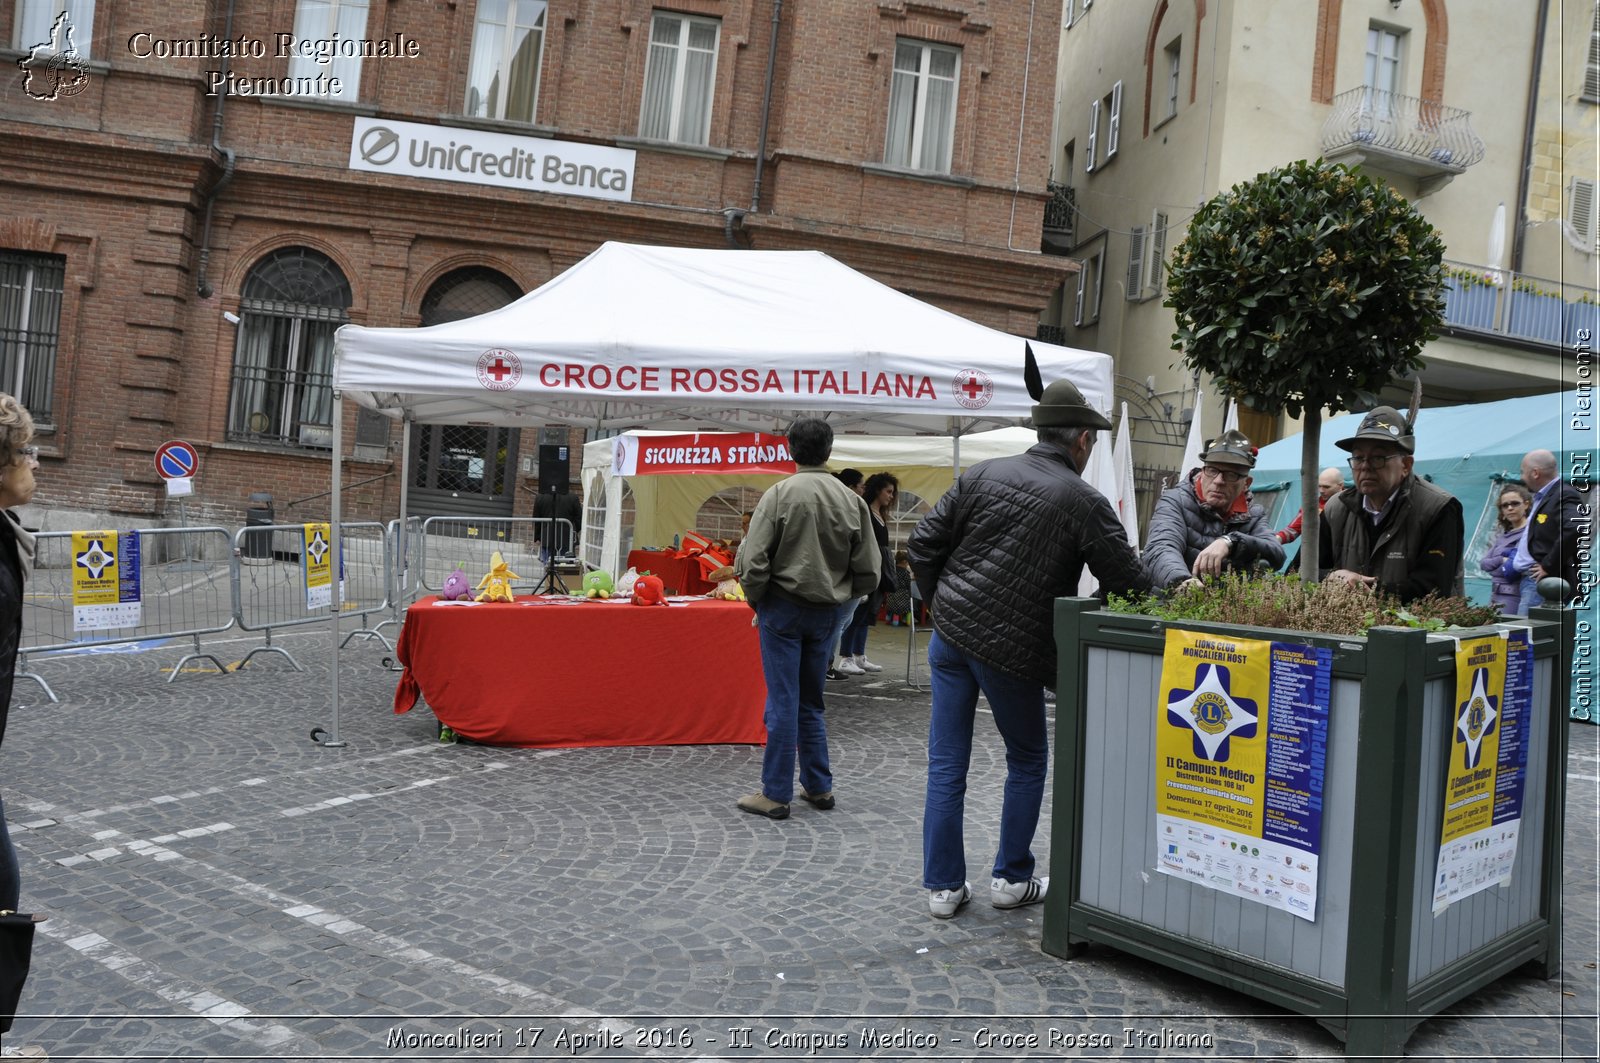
(478, 157)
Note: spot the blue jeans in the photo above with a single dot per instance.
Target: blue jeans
(847, 612)
(794, 660)
(1018, 707)
(1530, 595)
(854, 641)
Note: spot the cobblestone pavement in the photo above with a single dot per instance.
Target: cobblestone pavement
(219, 887)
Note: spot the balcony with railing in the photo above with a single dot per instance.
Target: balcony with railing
(1519, 307)
(1401, 136)
(1060, 218)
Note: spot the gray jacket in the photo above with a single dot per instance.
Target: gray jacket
(1182, 526)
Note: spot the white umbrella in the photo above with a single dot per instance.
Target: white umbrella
(1496, 259)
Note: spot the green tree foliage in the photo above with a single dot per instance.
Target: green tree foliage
(1305, 288)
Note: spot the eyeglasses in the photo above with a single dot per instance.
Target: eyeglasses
(1515, 503)
(29, 454)
(1376, 461)
(1225, 475)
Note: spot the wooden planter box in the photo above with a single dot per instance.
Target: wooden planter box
(1375, 962)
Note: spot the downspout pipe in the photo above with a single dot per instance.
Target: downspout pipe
(202, 283)
(1525, 175)
(766, 106)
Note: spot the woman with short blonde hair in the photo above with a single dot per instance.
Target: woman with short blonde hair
(18, 458)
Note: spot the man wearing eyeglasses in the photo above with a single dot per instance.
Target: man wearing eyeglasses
(1392, 531)
(1209, 524)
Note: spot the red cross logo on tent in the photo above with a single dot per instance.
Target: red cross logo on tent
(974, 389)
(499, 370)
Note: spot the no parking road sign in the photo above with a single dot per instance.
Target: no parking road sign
(176, 460)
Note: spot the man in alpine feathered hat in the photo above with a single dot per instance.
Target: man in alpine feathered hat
(1011, 536)
(1393, 530)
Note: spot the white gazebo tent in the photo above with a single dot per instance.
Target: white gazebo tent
(636, 336)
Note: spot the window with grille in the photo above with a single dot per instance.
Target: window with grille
(922, 106)
(35, 19)
(507, 49)
(679, 77)
(31, 287)
(290, 305)
(316, 21)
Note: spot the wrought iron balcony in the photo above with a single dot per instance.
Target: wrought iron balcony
(1060, 217)
(1051, 334)
(1401, 135)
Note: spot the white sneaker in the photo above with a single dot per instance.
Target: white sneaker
(942, 904)
(866, 665)
(1003, 894)
(848, 666)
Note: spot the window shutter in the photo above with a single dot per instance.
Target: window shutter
(1068, 6)
(1113, 125)
(1136, 264)
(1094, 136)
(1591, 72)
(1077, 306)
(1158, 250)
(1581, 213)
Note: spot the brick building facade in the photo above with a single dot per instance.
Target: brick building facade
(190, 209)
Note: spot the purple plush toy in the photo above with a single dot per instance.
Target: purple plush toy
(456, 587)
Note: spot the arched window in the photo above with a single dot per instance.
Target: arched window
(290, 305)
(463, 468)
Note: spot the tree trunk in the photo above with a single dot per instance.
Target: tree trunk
(1310, 515)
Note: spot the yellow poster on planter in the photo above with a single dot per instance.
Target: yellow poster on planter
(1488, 762)
(1241, 747)
(317, 560)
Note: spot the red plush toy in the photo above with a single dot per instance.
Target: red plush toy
(649, 590)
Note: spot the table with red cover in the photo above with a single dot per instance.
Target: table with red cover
(587, 674)
(680, 575)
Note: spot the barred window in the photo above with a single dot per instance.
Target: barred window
(30, 326)
(291, 303)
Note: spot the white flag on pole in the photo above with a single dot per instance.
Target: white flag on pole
(1122, 461)
(1196, 443)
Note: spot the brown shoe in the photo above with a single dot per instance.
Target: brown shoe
(761, 805)
(822, 802)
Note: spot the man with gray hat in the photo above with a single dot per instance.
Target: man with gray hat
(1209, 524)
(1392, 531)
(1008, 538)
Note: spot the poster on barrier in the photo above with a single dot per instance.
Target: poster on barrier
(106, 594)
(1488, 766)
(316, 562)
(1241, 750)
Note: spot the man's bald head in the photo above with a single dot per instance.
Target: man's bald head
(1330, 482)
(1538, 469)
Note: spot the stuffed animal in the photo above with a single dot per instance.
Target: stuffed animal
(498, 580)
(649, 590)
(456, 588)
(624, 585)
(597, 584)
(728, 590)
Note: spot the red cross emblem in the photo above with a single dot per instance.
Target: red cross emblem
(499, 370)
(973, 388)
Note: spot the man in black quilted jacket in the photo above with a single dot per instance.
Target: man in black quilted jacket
(1209, 524)
(1008, 538)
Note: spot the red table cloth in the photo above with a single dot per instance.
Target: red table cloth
(588, 674)
(680, 575)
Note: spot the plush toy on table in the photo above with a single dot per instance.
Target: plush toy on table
(649, 590)
(729, 590)
(597, 584)
(456, 588)
(496, 583)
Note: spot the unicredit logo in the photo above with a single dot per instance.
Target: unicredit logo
(380, 145)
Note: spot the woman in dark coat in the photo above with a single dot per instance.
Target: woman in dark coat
(20, 458)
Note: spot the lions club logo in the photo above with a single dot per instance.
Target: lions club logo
(499, 370)
(1212, 712)
(1475, 717)
(973, 388)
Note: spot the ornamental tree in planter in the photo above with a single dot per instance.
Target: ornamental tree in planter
(1304, 288)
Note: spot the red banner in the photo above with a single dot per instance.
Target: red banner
(701, 452)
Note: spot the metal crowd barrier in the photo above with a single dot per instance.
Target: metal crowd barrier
(466, 543)
(270, 590)
(183, 582)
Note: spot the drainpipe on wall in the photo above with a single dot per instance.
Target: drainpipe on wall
(202, 284)
(766, 106)
(1524, 176)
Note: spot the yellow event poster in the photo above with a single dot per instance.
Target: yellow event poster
(317, 560)
(1241, 746)
(105, 581)
(1484, 776)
